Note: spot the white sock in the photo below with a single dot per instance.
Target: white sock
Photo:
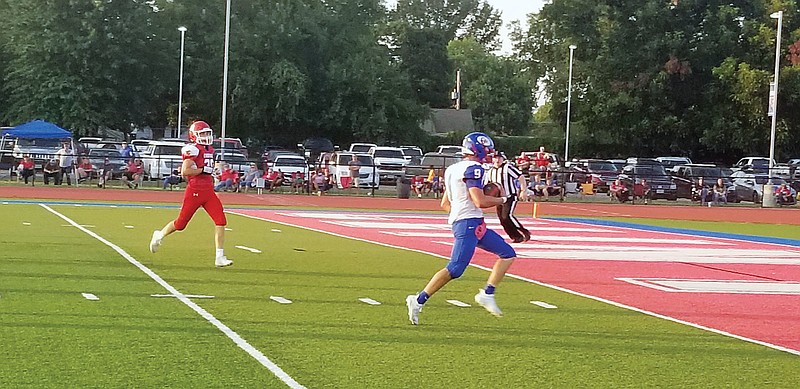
(220, 253)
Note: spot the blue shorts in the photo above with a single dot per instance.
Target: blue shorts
(472, 233)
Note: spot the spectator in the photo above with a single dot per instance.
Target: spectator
(618, 191)
(274, 179)
(523, 162)
(541, 160)
(644, 187)
(418, 185)
(720, 192)
(134, 171)
(26, 170)
(298, 182)
(173, 179)
(701, 191)
(228, 179)
(85, 169)
(354, 166)
(320, 183)
(106, 173)
(250, 176)
(65, 162)
(783, 195)
(436, 186)
(429, 180)
(126, 151)
(51, 170)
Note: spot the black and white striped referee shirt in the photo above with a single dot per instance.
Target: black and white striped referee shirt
(506, 176)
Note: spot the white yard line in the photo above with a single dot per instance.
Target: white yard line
(236, 338)
(546, 285)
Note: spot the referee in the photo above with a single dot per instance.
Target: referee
(506, 176)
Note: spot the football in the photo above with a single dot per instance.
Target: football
(492, 189)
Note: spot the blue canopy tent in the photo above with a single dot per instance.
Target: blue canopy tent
(36, 129)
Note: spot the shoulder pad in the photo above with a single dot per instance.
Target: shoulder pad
(190, 150)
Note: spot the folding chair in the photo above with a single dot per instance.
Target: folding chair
(260, 185)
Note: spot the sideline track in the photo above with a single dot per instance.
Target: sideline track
(236, 338)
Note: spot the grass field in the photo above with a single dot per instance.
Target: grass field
(54, 337)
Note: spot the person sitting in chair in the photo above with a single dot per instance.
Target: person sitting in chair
(720, 192)
(619, 191)
(172, 180)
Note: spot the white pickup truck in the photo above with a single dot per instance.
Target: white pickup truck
(160, 158)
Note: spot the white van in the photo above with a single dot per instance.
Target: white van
(367, 174)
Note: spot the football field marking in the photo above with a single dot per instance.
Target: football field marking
(459, 303)
(543, 304)
(250, 249)
(717, 286)
(280, 300)
(369, 301)
(191, 296)
(236, 338)
(532, 281)
(90, 297)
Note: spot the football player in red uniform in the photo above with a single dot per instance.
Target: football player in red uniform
(198, 164)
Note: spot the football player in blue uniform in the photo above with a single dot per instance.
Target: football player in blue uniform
(463, 199)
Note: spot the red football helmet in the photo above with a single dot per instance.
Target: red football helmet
(200, 132)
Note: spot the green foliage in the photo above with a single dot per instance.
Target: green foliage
(497, 89)
(654, 78)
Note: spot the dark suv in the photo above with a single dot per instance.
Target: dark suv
(686, 176)
(661, 184)
(599, 172)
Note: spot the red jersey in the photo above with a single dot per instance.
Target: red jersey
(27, 164)
(202, 155)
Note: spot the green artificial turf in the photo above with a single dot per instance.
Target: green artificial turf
(53, 337)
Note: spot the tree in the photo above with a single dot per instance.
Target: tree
(83, 64)
(497, 89)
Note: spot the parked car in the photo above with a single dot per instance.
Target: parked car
(41, 150)
(670, 162)
(686, 176)
(367, 174)
(288, 164)
(439, 161)
(661, 184)
(97, 158)
(160, 158)
(236, 160)
(389, 161)
(361, 147)
(314, 147)
(413, 154)
(449, 149)
(746, 186)
(231, 144)
(599, 172)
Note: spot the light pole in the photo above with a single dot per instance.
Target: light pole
(773, 97)
(182, 29)
(225, 74)
(569, 103)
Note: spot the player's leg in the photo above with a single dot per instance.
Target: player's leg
(214, 209)
(463, 249)
(494, 243)
(188, 208)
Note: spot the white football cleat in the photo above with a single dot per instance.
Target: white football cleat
(155, 241)
(414, 308)
(223, 261)
(487, 302)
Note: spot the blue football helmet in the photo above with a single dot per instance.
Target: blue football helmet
(479, 145)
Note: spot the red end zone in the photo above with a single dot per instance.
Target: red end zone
(745, 289)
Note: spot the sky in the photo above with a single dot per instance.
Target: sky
(511, 10)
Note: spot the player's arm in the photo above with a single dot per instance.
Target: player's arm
(445, 203)
(473, 178)
(483, 201)
(523, 186)
(189, 168)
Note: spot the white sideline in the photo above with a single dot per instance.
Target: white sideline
(241, 342)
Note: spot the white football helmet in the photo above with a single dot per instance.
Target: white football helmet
(200, 132)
